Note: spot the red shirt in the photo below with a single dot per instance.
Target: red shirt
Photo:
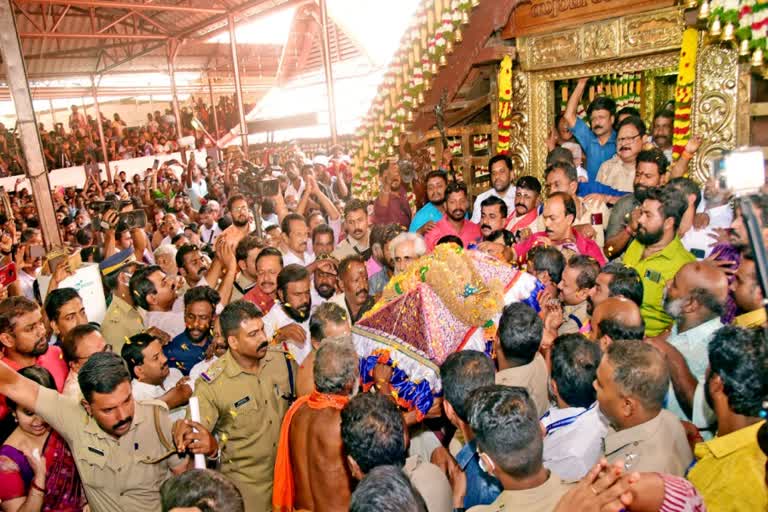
(261, 299)
(397, 210)
(469, 233)
(578, 244)
(52, 360)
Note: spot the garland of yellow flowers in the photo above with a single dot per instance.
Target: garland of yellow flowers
(684, 93)
(451, 273)
(505, 104)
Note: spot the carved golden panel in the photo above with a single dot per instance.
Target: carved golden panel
(649, 32)
(600, 40)
(550, 50)
(716, 95)
(626, 36)
(520, 130)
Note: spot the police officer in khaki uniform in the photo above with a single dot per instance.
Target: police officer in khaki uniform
(243, 397)
(122, 448)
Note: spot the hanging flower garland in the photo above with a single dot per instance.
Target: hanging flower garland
(681, 130)
(742, 20)
(424, 47)
(505, 104)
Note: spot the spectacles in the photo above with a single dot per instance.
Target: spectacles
(240, 209)
(627, 139)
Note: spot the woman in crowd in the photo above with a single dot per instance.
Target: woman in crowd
(37, 470)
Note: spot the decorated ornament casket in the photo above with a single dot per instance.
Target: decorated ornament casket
(446, 301)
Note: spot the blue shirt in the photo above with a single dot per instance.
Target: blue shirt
(482, 488)
(596, 154)
(182, 354)
(427, 213)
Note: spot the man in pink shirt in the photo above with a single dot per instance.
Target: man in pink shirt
(24, 342)
(559, 214)
(454, 221)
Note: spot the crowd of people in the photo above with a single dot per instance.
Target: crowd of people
(77, 141)
(639, 381)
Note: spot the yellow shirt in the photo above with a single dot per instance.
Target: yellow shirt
(756, 318)
(730, 472)
(655, 271)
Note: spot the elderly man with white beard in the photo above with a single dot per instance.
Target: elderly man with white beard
(695, 299)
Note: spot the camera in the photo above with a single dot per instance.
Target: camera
(257, 182)
(132, 220)
(101, 207)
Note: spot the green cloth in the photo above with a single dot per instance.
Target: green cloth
(655, 271)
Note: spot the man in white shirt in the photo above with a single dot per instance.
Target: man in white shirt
(325, 281)
(573, 439)
(194, 183)
(158, 294)
(152, 379)
(77, 346)
(172, 227)
(500, 167)
(698, 241)
(209, 228)
(295, 237)
(695, 298)
(288, 320)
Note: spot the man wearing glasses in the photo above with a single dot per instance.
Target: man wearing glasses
(619, 171)
(77, 346)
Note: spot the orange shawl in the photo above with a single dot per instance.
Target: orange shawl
(283, 490)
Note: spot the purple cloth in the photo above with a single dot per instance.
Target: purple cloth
(21, 460)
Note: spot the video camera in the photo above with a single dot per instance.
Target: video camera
(257, 182)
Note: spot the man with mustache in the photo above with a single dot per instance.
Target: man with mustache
(454, 221)
(105, 430)
(392, 205)
(662, 132)
(525, 218)
(618, 172)
(429, 214)
(159, 295)
(325, 281)
(240, 212)
(269, 263)
(25, 343)
(295, 238)
(598, 140)
(353, 278)
(500, 167)
(559, 212)
(243, 398)
(495, 239)
(288, 321)
(650, 171)
(193, 267)
(696, 299)
(152, 378)
(356, 225)
(189, 348)
(591, 214)
(657, 253)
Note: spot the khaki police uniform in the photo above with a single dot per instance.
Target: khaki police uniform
(116, 473)
(659, 445)
(534, 377)
(245, 411)
(575, 318)
(431, 483)
(242, 285)
(120, 322)
(543, 498)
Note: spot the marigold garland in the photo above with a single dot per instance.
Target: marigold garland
(684, 92)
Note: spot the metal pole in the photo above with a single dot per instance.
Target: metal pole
(172, 47)
(213, 107)
(238, 85)
(100, 128)
(328, 70)
(16, 77)
(53, 113)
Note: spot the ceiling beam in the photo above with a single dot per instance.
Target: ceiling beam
(85, 35)
(486, 18)
(136, 6)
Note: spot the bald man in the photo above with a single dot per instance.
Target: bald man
(696, 300)
(616, 318)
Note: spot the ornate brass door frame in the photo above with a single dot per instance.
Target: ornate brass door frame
(643, 42)
(541, 104)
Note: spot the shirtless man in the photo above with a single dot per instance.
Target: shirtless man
(310, 451)
(327, 321)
